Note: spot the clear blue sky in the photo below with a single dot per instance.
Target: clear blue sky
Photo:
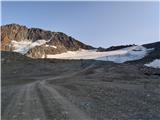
(95, 23)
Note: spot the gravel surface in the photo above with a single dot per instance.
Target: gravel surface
(78, 90)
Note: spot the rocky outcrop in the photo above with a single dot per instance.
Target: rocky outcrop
(155, 54)
(100, 49)
(38, 34)
(150, 71)
(18, 33)
(60, 39)
(42, 51)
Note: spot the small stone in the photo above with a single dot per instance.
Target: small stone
(148, 95)
(36, 119)
(14, 116)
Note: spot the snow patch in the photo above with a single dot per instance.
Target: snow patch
(51, 46)
(25, 45)
(154, 64)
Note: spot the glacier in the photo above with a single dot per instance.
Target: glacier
(117, 56)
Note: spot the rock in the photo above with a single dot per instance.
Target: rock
(38, 34)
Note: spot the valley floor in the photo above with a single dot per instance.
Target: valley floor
(78, 90)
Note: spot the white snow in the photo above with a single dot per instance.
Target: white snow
(130, 54)
(51, 46)
(154, 64)
(25, 45)
(118, 56)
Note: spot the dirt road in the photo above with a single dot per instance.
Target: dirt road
(37, 101)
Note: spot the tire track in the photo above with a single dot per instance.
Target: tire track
(25, 105)
(13, 110)
(71, 110)
(33, 109)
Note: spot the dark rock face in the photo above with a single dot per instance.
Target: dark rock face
(62, 40)
(18, 33)
(154, 54)
(38, 34)
(100, 49)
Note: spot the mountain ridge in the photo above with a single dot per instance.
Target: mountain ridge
(38, 43)
(20, 33)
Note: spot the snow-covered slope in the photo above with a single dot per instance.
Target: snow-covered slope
(154, 64)
(118, 56)
(25, 45)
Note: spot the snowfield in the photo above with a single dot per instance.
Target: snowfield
(154, 64)
(117, 56)
(24, 46)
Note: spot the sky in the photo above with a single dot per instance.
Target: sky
(95, 23)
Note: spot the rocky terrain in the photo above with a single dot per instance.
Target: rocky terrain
(50, 89)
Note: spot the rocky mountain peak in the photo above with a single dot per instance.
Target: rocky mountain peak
(15, 33)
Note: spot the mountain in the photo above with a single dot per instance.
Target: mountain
(35, 42)
(39, 43)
